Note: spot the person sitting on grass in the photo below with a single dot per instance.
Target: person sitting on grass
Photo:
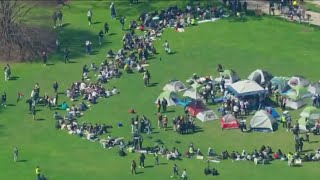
(64, 106)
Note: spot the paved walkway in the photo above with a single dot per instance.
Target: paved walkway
(264, 6)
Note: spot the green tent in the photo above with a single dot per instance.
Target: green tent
(281, 83)
(231, 75)
(305, 123)
(298, 93)
(310, 112)
(169, 96)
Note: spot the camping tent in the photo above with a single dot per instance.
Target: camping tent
(298, 81)
(310, 112)
(245, 88)
(298, 93)
(260, 76)
(196, 107)
(273, 112)
(175, 86)
(314, 88)
(305, 124)
(281, 83)
(192, 93)
(295, 104)
(230, 77)
(207, 116)
(169, 96)
(229, 122)
(262, 121)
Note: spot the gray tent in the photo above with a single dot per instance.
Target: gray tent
(262, 121)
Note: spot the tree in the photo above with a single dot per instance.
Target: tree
(19, 41)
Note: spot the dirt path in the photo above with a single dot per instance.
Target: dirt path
(264, 6)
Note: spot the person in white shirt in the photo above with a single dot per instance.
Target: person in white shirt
(184, 175)
(115, 91)
(89, 15)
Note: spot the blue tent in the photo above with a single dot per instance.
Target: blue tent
(273, 112)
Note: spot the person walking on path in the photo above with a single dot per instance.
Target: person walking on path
(122, 22)
(101, 34)
(133, 167)
(55, 86)
(113, 11)
(60, 16)
(175, 171)
(89, 15)
(38, 173)
(141, 162)
(106, 28)
(55, 18)
(15, 154)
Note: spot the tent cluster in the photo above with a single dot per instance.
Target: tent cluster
(308, 118)
(191, 100)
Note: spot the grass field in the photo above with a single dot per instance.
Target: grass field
(280, 47)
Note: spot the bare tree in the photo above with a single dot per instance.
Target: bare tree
(19, 41)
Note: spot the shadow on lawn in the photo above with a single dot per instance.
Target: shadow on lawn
(74, 40)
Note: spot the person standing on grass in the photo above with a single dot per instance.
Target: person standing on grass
(44, 58)
(184, 175)
(133, 167)
(7, 72)
(15, 154)
(59, 15)
(55, 18)
(55, 86)
(57, 45)
(148, 77)
(4, 99)
(164, 104)
(38, 173)
(100, 37)
(156, 158)
(66, 55)
(106, 28)
(145, 79)
(159, 105)
(113, 11)
(166, 47)
(122, 22)
(33, 111)
(141, 162)
(20, 96)
(88, 47)
(159, 120)
(89, 15)
(175, 171)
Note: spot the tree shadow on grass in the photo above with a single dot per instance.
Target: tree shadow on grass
(74, 40)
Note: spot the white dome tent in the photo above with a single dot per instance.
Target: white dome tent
(175, 86)
(314, 88)
(192, 93)
(207, 116)
(261, 77)
(298, 81)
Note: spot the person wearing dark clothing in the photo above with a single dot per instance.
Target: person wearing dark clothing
(44, 57)
(142, 158)
(122, 22)
(55, 18)
(106, 28)
(271, 8)
(300, 144)
(66, 55)
(59, 16)
(159, 105)
(175, 171)
(245, 6)
(164, 104)
(133, 167)
(100, 37)
(4, 99)
(55, 86)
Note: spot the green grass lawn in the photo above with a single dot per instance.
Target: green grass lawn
(280, 47)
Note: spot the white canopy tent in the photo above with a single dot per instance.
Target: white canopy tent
(246, 88)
